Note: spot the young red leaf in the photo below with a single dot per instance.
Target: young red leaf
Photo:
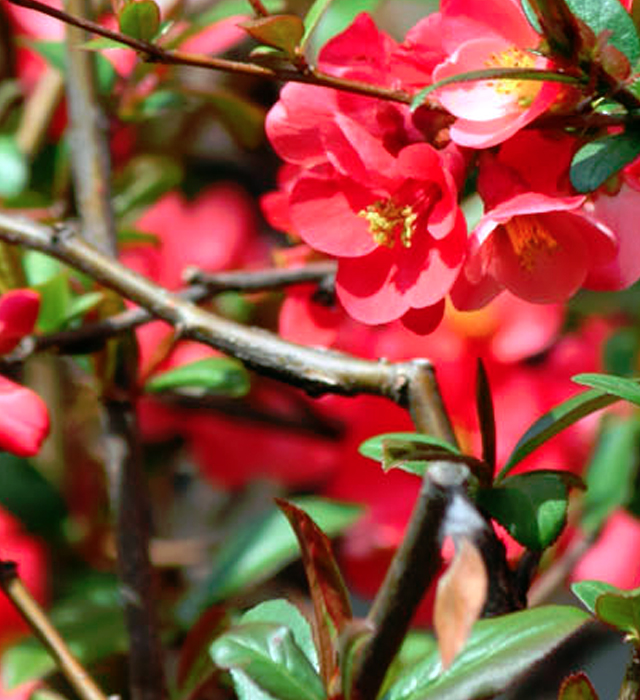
(329, 595)
(577, 686)
(283, 32)
(460, 597)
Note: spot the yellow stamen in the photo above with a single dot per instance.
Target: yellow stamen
(525, 91)
(387, 220)
(529, 236)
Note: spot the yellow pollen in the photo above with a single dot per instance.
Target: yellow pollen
(387, 221)
(528, 237)
(525, 91)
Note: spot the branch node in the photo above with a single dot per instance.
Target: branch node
(8, 572)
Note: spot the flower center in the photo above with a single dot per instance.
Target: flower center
(529, 236)
(524, 91)
(388, 221)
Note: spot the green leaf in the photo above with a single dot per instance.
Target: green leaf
(622, 387)
(14, 168)
(102, 44)
(611, 605)
(611, 473)
(598, 160)
(621, 610)
(414, 452)
(282, 32)
(131, 237)
(54, 53)
(532, 506)
(621, 350)
(609, 16)
(55, 297)
(498, 652)
(213, 375)
(140, 19)
(268, 653)
(375, 447)
(282, 612)
(415, 647)
(144, 180)
(589, 591)
(261, 548)
(78, 306)
(39, 268)
(161, 102)
(531, 15)
(577, 687)
(313, 16)
(91, 623)
(30, 497)
(555, 421)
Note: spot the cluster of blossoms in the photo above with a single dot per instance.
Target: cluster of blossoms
(529, 359)
(378, 186)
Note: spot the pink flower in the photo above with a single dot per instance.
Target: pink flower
(396, 229)
(612, 558)
(540, 248)
(536, 239)
(481, 35)
(618, 212)
(25, 420)
(213, 231)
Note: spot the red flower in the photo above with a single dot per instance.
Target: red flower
(395, 227)
(612, 558)
(540, 248)
(25, 420)
(536, 239)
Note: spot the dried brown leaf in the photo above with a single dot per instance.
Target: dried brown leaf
(460, 597)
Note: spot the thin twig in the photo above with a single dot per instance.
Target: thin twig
(314, 370)
(418, 559)
(129, 498)
(39, 623)
(131, 508)
(262, 280)
(92, 336)
(157, 54)
(90, 161)
(410, 384)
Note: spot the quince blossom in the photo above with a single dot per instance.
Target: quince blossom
(485, 34)
(537, 238)
(368, 190)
